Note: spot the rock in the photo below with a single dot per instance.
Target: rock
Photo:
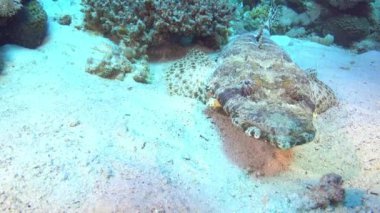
(143, 74)
(112, 65)
(296, 32)
(347, 29)
(327, 40)
(366, 45)
(346, 4)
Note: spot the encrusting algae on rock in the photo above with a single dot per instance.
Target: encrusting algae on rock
(259, 87)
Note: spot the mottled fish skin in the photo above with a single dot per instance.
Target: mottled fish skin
(265, 94)
(188, 76)
(282, 99)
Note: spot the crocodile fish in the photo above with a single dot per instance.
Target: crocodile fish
(258, 86)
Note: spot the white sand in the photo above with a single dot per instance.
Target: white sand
(73, 141)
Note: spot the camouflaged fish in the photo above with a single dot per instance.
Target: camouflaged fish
(256, 83)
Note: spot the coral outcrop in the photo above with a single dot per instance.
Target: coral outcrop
(113, 65)
(347, 4)
(346, 23)
(27, 27)
(347, 28)
(8, 8)
(260, 88)
(143, 24)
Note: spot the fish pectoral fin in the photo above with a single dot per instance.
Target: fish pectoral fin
(214, 104)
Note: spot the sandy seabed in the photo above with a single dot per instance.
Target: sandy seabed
(74, 142)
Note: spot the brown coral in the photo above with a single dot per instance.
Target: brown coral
(143, 24)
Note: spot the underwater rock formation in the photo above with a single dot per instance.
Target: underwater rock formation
(142, 24)
(260, 88)
(147, 24)
(346, 4)
(250, 3)
(27, 27)
(347, 22)
(114, 64)
(347, 29)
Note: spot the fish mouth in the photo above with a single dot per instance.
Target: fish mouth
(282, 126)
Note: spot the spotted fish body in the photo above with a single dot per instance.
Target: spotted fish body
(265, 93)
(189, 76)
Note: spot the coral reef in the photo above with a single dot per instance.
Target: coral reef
(349, 22)
(253, 19)
(346, 4)
(144, 24)
(347, 29)
(249, 3)
(27, 27)
(8, 8)
(259, 87)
